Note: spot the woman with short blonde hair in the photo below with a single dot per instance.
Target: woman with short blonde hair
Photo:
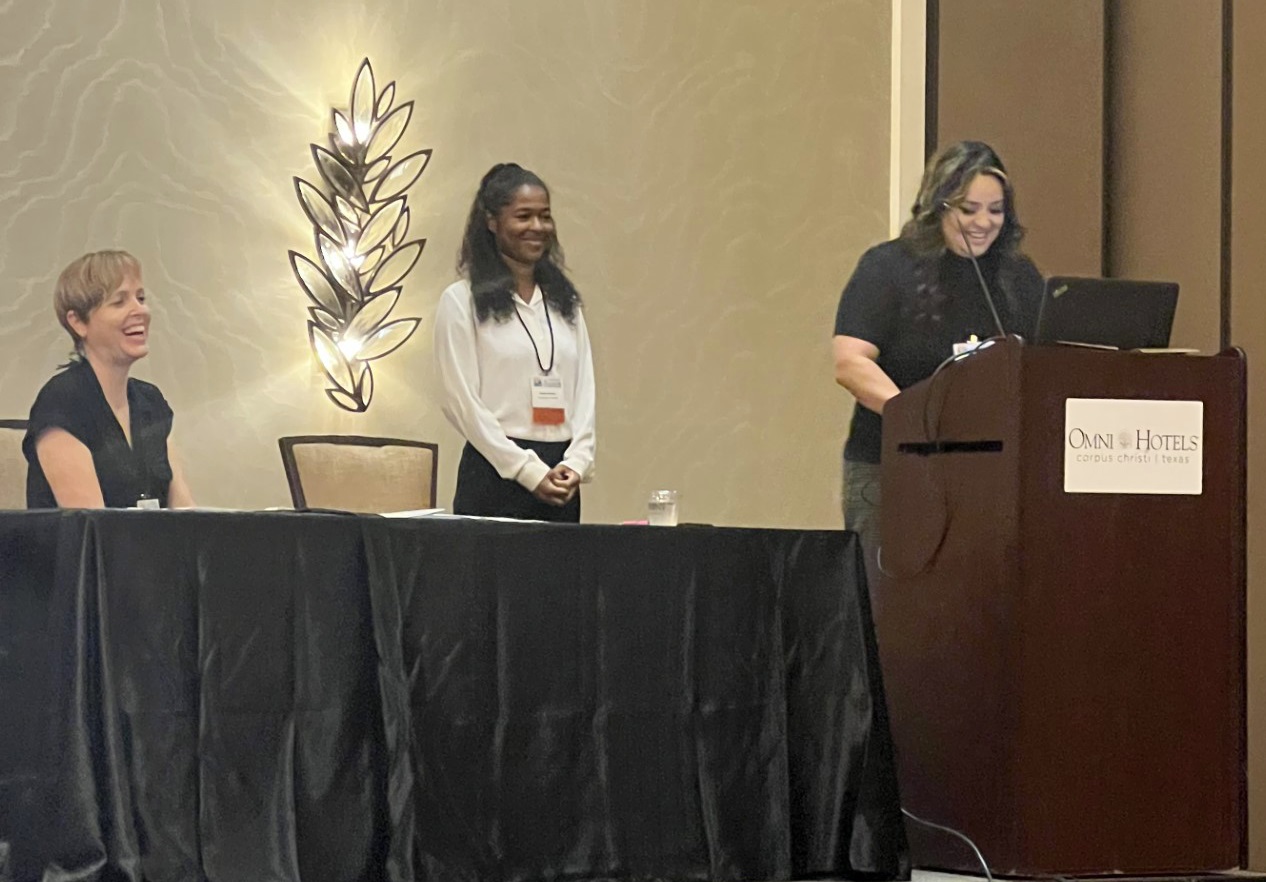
(96, 437)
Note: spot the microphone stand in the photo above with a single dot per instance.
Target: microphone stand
(993, 310)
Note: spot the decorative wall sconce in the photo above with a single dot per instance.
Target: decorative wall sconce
(360, 219)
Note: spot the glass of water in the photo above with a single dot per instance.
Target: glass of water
(661, 509)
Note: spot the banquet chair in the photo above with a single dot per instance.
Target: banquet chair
(359, 473)
(12, 464)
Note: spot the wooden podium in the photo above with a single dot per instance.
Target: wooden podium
(1065, 671)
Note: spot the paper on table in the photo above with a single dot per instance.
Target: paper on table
(1078, 345)
(205, 508)
(414, 513)
(460, 517)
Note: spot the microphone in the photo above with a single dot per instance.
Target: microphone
(980, 277)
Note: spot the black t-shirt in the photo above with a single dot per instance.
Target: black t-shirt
(72, 400)
(915, 310)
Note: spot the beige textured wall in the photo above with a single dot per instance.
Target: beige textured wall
(717, 167)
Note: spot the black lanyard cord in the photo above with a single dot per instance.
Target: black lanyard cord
(535, 350)
(139, 450)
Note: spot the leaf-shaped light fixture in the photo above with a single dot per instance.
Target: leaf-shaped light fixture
(359, 215)
(402, 175)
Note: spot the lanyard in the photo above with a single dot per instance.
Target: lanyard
(535, 350)
(138, 450)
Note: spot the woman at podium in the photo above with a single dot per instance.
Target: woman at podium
(954, 276)
(97, 438)
(513, 359)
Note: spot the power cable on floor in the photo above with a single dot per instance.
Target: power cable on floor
(963, 836)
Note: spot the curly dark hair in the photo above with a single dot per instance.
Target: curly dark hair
(491, 284)
(945, 182)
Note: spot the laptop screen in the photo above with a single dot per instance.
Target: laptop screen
(1107, 312)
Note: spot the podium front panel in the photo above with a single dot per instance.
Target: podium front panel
(1065, 671)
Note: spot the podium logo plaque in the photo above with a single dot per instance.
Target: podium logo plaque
(1114, 445)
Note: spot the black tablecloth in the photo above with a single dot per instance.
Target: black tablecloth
(190, 695)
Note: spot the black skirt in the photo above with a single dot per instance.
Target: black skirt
(481, 491)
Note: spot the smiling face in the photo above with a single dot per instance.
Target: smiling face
(524, 227)
(971, 224)
(116, 331)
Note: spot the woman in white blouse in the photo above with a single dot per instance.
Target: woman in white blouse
(513, 360)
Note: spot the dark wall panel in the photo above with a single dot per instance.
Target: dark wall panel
(1028, 78)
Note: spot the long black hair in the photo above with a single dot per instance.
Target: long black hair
(491, 284)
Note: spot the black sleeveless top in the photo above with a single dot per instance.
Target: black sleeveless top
(72, 400)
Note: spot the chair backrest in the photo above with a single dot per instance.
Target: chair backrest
(12, 464)
(358, 473)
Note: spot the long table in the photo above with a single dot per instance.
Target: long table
(280, 696)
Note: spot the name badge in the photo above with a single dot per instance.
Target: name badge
(547, 401)
(967, 346)
(148, 502)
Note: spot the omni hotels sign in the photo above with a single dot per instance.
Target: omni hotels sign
(1114, 445)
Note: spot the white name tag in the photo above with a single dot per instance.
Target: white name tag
(547, 401)
(148, 504)
(968, 345)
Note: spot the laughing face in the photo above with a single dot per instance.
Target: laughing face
(971, 225)
(524, 228)
(117, 331)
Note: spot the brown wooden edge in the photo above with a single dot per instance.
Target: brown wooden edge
(1241, 556)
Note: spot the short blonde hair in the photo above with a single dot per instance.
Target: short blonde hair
(87, 282)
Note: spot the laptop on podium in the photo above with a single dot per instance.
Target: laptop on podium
(1108, 313)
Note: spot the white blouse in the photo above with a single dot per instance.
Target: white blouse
(485, 372)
